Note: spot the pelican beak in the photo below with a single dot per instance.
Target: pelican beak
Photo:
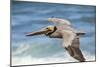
(38, 32)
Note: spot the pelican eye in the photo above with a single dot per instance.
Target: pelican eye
(47, 28)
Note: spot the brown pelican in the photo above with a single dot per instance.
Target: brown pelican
(65, 31)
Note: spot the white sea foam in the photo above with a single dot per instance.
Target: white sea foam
(54, 59)
(20, 49)
(30, 60)
(57, 58)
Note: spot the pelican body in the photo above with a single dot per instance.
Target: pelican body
(65, 31)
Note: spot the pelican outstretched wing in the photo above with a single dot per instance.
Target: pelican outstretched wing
(68, 37)
(59, 21)
(71, 44)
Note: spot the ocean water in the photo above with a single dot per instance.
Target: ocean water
(32, 16)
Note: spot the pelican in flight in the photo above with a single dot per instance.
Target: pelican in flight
(65, 31)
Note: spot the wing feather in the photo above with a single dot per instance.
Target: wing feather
(68, 37)
(71, 44)
(76, 50)
(59, 21)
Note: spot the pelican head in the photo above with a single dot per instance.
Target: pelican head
(47, 31)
